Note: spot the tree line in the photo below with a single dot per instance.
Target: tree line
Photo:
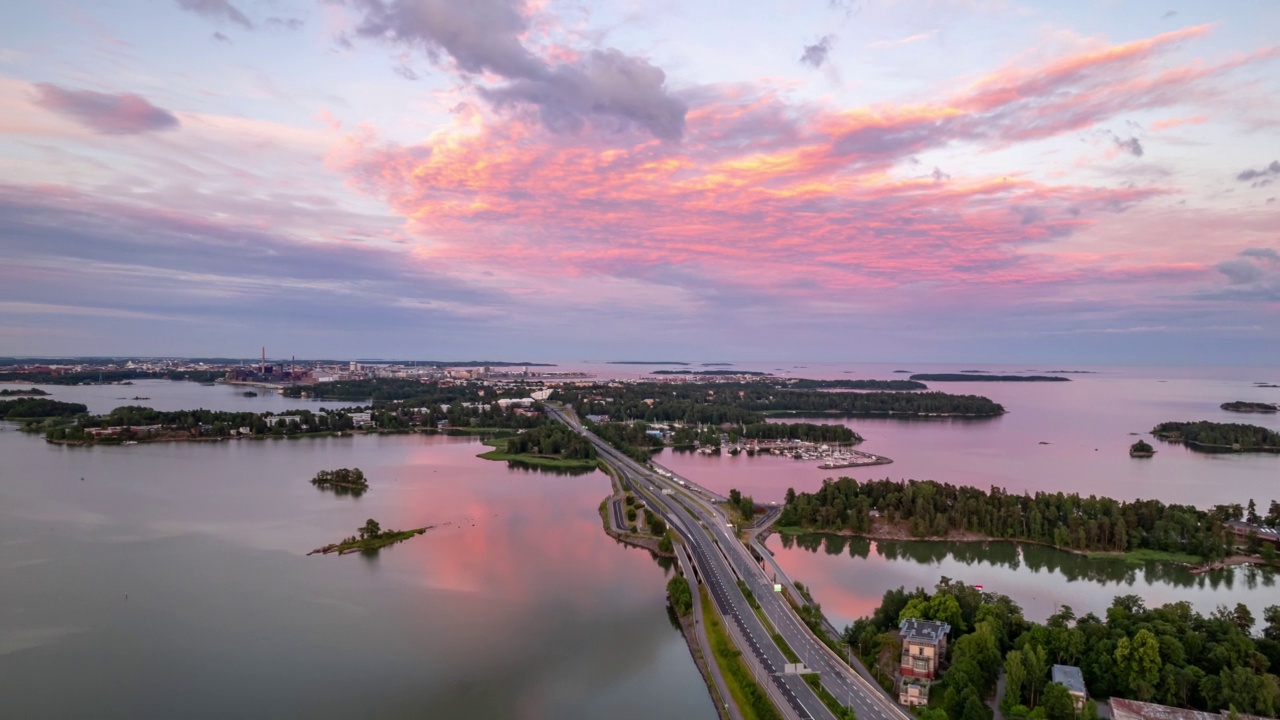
(552, 439)
(24, 408)
(933, 509)
(1170, 655)
(1219, 435)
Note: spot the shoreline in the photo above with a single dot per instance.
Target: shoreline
(884, 531)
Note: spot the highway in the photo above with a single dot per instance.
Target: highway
(794, 698)
(723, 560)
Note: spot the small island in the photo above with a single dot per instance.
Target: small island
(1141, 449)
(249, 393)
(343, 481)
(753, 373)
(371, 538)
(1219, 437)
(981, 376)
(19, 392)
(1242, 406)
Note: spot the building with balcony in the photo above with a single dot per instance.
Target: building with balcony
(924, 643)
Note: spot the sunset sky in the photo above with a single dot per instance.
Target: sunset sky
(875, 180)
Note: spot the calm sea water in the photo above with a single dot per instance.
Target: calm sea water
(848, 576)
(1087, 424)
(172, 581)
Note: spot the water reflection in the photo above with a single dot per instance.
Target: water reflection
(848, 574)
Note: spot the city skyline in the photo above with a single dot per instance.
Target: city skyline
(822, 180)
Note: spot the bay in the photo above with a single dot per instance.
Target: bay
(171, 580)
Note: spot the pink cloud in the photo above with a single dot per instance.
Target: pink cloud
(123, 114)
(784, 198)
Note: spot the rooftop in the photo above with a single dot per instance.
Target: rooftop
(927, 632)
(1122, 709)
(1070, 676)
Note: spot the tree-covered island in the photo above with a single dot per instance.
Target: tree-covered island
(1219, 437)
(1242, 406)
(1141, 449)
(1147, 529)
(343, 481)
(38, 408)
(19, 392)
(369, 539)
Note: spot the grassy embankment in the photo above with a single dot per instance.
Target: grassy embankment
(499, 452)
(750, 698)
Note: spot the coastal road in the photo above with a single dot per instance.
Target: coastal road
(790, 693)
(713, 538)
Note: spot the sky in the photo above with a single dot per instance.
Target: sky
(861, 180)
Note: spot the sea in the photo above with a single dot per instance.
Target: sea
(172, 580)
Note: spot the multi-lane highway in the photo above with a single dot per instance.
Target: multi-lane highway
(722, 561)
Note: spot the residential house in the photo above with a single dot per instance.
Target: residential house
(1070, 677)
(924, 644)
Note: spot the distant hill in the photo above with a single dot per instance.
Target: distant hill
(972, 376)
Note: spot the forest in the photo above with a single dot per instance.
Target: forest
(932, 509)
(1249, 407)
(1214, 435)
(552, 439)
(1170, 655)
(25, 408)
(747, 403)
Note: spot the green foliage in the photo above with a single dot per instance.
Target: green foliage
(942, 607)
(1219, 436)
(1142, 447)
(930, 508)
(342, 479)
(632, 439)
(750, 698)
(744, 505)
(1057, 703)
(738, 403)
(807, 432)
(18, 392)
(666, 545)
(680, 595)
(38, 407)
(552, 440)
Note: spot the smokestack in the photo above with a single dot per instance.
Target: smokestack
(263, 367)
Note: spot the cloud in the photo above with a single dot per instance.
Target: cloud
(1169, 14)
(908, 40)
(1131, 145)
(484, 36)
(285, 23)
(217, 10)
(815, 55)
(1265, 254)
(1265, 173)
(1253, 275)
(221, 38)
(123, 114)
(405, 72)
